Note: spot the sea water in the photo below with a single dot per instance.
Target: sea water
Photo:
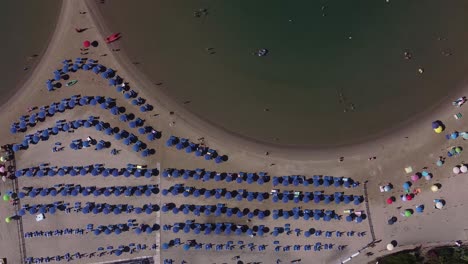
(335, 72)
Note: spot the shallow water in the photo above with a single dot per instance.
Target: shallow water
(26, 27)
(317, 66)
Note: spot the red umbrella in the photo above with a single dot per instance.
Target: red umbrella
(390, 200)
(86, 43)
(409, 197)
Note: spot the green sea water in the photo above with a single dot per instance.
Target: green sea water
(325, 59)
(25, 27)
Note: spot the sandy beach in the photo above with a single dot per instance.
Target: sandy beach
(415, 145)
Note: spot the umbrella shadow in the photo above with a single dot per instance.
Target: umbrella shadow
(95, 43)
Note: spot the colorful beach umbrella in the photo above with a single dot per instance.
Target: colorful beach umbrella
(390, 200)
(408, 213)
(390, 247)
(463, 169)
(86, 43)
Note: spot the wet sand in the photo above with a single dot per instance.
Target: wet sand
(394, 152)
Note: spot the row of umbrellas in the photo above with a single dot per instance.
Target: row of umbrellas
(147, 190)
(106, 74)
(317, 181)
(454, 151)
(106, 103)
(201, 174)
(218, 228)
(67, 103)
(424, 174)
(78, 144)
(217, 193)
(128, 138)
(65, 69)
(209, 246)
(460, 169)
(67, 257)
(297, 213)
(74, 171)
(90, 208)
(317, 197)
(218, 210)
(317, 247)
(183, 143)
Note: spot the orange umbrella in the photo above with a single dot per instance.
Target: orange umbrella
(86, 43)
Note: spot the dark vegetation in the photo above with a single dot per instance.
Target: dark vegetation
(441, 255)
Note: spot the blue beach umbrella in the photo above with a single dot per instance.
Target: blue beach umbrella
(138, 231)
(53, 192)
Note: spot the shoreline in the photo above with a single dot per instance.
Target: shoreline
(205, 127)
(23, 82)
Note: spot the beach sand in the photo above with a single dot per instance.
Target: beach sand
(417, 145)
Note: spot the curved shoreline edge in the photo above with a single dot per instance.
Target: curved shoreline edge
(205, 127)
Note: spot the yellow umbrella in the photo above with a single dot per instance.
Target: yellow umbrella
(8, 219)
(438, 130)
(434, 188)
